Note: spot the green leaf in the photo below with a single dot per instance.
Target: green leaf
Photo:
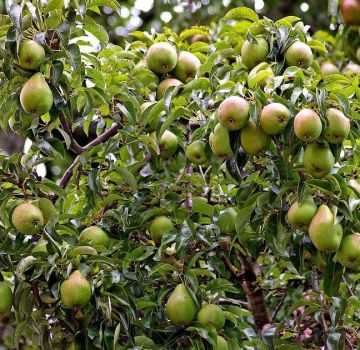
(332, 277)
(242, 13)
(128, 177)
(242, 219)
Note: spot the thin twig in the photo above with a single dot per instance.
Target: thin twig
(237, 272)
(189, 171)
(348, 287)
(278, 307)
(230, 301)
(74, 146)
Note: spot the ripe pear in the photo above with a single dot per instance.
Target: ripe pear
(253, 54)
(233, 113)
(299, 54)
(351, 68)
(307, 125)
(226, 221)
(31, 54)
(253, 139)
(318, 160)
(219, 141)
(300, 215)
(212, 314)
(338, 127)
(95, 236)
(325, 236)
(328, 68)
(5, 297)
(161, 57)
(36, 97)
(75, 291)
(274, 118)
(195, 152)
(187, 66)
(164, 85)
(144, 342)
(348, 254)
(221, 344)
(254, 78)
(350, 11)
(158, 227)
(180, 307)
(168, 144)
(27, 219)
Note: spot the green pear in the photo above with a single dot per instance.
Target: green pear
(75, 291)
(325, 236)
(260, 75)
(195, 152)
(254, 53)
(221, 344)
(40, 246)
(212, 314)
(36, 97)
(161, 57)
(164, 85)
(307, 125)
(328, 68)
(180, 307)
(158, 227)
(299, 54)
(350, 11)
(144, 342)
(318, 160)
(219, 141)
(348, 254)
(31, 54)
(338, 127)
(27, 219)
(351, 68)
(233, 113)
(300, 215)
(253, 139)
(6, 297)
(226, 221)
(95, 236)
(168, 144)
(187, 66)
(274, 118)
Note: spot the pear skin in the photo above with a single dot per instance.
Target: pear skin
(307, 125)
(219, 141)
(338, 127)
(164, 85)
(187, 66)
(233, 113)
(75, 291)
(255, 80)
(318, 160)
(161, 57)
(274, 118)
(6, 297)
(95, 236)
(159, 226)
(27, 219)
(254, 53)
(180, 307)
(325, 236)
(221, 344)
(36, 97)
(348, 254)
(328, 68)
(168, 144)
(31, 55)
(301, 215)
(212, 314)
(226, 221)
(253, 139)
(299, 54)
(195, 152)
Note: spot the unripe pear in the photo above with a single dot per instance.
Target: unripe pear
(27, 219)
(300, 215)
(262, 69)
(348, 254)
(31, 54)
(318, 160)
(212, 314)
(274, 118)
(226, 221)
(221, 344)
(36, 97)
(328, 68)
(253, 54)
(95, 236)
(5, 297)
(158, 227)
(338, 127)
(307, 125)
(219, 141)
(253, 139)
(164, 85)
(324, 234)
(187, 66)
(351, 68)
(161, 57)
(75, 291)
(180, 307)
(299, 54)
(350, 11)
(168, 144)
(195, 152)
(233, 113)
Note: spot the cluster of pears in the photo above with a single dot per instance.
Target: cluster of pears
(324, 231)
(181, 311)
(36, 97)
